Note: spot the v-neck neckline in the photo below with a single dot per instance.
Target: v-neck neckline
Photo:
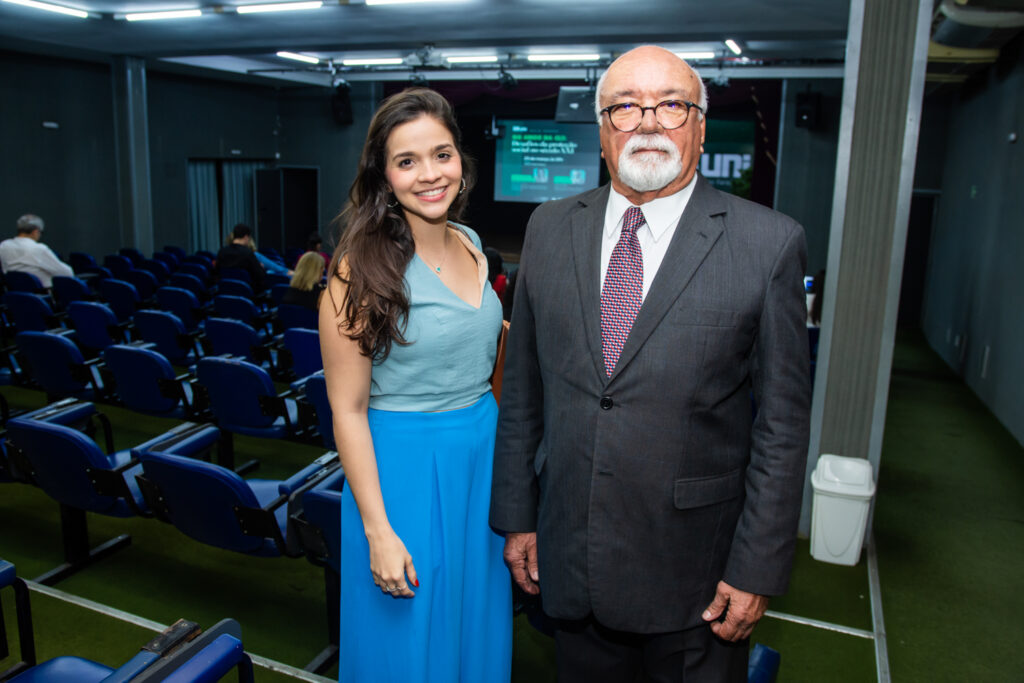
(465, 242)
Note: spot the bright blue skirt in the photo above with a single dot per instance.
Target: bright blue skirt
(435, 476)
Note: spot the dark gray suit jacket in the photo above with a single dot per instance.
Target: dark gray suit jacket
(648, 487)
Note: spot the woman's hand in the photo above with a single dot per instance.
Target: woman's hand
(390, 563)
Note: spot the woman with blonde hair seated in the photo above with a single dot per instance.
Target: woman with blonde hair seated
(307, 282)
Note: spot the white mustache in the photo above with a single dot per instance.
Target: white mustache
(655, 141)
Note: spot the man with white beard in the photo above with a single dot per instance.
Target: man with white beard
(639, 496)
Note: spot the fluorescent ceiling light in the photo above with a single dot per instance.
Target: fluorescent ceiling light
(51, 8)
(695, 55)
(470, 59)
(731, 44)
(581, 57)
(175, 14)
(405, 2)
(374, 61)
(297, 57)
(278, 7)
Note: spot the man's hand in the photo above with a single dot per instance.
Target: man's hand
(742, 611)
(521, 558)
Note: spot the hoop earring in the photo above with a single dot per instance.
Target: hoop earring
(463, 188)
(393, 204)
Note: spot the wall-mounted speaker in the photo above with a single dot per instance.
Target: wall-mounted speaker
(575, 104)
(341, 105)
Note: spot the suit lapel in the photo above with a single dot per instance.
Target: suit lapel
(696, 233)
(587, 224)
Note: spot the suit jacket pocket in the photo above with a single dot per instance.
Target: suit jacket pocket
(701, 491)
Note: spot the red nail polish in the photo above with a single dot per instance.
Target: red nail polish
(416, 583)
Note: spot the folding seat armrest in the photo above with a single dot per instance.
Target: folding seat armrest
(166, 642)
(310, 474)
(111, 483)
(277, 406)
(187, 439)
(215, 661)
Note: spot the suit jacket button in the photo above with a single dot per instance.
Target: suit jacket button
(606, 403)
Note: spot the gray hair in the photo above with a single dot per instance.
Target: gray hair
(702, 96)
(29, 222)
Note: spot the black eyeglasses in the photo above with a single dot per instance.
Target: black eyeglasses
(671, 114)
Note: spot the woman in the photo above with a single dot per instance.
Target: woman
(408, 340)
(306, 285)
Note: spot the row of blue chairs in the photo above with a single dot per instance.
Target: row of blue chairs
(173, 478)
(238, 395)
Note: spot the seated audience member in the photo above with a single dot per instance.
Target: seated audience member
(306, 284)
(496, 272)
(239, 253)
(25, 252)
(315, 244)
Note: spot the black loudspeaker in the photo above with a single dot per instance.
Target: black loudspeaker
(341, 105)
(808, 109)
(575, 104)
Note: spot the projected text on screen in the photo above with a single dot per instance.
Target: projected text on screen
(541, 160)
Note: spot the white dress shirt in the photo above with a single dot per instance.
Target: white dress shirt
(661, 215)
(27, 255)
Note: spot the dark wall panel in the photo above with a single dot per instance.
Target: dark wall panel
(807, 164)
(64, 174)
(975, 282)
(195, 118)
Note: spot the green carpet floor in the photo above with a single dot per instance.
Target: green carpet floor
(947, 527)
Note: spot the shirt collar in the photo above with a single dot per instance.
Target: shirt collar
(660, 214)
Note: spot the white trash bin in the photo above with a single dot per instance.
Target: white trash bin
(843, 488)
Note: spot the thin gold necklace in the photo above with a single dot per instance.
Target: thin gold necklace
(444, 256)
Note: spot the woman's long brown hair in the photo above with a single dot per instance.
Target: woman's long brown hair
(377, 242)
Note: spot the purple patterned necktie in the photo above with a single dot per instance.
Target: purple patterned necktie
(623, 289)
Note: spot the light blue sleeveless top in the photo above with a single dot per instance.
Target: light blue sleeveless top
(450, 357)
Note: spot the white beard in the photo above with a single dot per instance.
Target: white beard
(649, 171)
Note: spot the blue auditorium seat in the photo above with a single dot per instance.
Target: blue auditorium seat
(182, 303)
(67, 289)
(158, 268)
(132, 254)
(80, 261)
(318, 529)
(293, 315)
(214, 505)
(117, 264)
(57, 365)
(166, 331)
(188, 278)
(20, 281)
(237, 308)
(301, 352)
(72, 470)
(121, 295)
(145, 282)
(168, 259)
(196, 270)
(227, 336)
(314, 390)
(176, 250)
(236, 287)
(144, 380)
(30, 312)
(243, 399)
(96, 326)
(235, 274)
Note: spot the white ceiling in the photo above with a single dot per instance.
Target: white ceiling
(789, 35)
